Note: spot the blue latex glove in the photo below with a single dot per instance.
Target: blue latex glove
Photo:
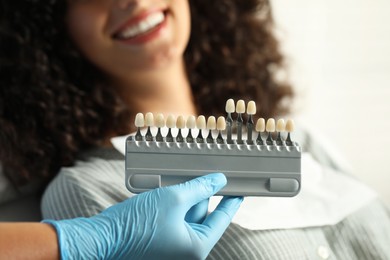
(165, 223)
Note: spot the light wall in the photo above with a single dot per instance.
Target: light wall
(339, 59)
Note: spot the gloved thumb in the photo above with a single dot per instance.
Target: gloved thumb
(199, 189)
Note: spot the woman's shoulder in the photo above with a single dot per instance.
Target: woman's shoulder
(98, 166)
(93, 183)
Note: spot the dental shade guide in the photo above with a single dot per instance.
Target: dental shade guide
(253, 167)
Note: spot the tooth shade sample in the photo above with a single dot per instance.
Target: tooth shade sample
(221, 123)
(149, 119)
(180, 122)
(230, 107)
(290, 125)
(270, 127)
(191, 122)
(240, 106)
(211, 123)
(171, 122)
(260, 125)
(251, 108)
(201, 122)
(280, 126)
(139, 120)
(160, 120)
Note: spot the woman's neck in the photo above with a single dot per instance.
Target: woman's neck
(166, 91)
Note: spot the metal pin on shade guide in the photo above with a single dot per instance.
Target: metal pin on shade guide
(270, 127)
(240, 109)
(221, 126)
(139, 123)
(289, 129)
(200, 124)
(260, 128)
(211, 125)
(159, 122)
(180, 124)
(171, 123)
(251, 110)
(190, 124)
(149, 121)
(280, 127)
(230, 108)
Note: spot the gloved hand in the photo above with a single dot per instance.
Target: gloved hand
(165, 223)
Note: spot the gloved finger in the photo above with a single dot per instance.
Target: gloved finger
(198, 212)
(218, 220)
(194, 191)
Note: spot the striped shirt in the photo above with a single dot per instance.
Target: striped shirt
(96, 182)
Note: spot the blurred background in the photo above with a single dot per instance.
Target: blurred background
(338, 53)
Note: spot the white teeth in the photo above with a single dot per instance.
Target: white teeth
(230, 106)
(260, 125)
(160, 120)
(280, 126)
(191, 122)
(149, 119)
(270, 127)
(143, 26)
(180, 122)
(290, 125)
(201, 122)
(221, 123)
(171, 122)
(251, 108)
(211, 123)
(240, 106)
(139, 120)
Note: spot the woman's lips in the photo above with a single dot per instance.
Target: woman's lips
(142, 28)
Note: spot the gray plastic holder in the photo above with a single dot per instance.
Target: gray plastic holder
(251, 170)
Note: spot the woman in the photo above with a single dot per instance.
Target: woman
(97, 63)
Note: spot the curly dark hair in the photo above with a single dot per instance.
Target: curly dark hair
(54, 102)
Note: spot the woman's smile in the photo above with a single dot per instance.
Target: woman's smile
(142, 28)
(142, 38)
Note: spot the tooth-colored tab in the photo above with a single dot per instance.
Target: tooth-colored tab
(159, 120)
(270, 127)
(139, 120)
(211, 123)
(260, 125)
(230, 106)
(240, 108)
(280, 125)
(191, 122)
(290, 125)
(180, 122)
(221, 123)
(171, 122)
(201, 122)
(251, 108)
(149, 119)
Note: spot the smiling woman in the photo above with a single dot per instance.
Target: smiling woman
(80, 85)
(67, 89)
